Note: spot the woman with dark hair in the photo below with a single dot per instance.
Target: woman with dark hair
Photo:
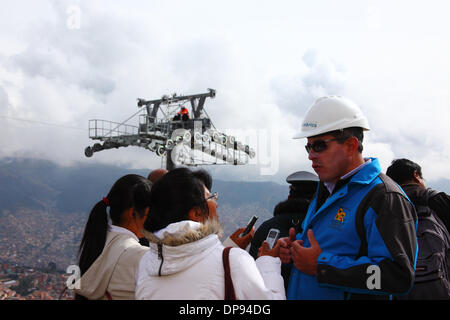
(110, 252)
(185, 260)
(235, 239)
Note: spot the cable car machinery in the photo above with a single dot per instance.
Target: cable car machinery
(191, 142)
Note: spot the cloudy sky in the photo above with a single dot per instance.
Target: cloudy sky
(65, 62)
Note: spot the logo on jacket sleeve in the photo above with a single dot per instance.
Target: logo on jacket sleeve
(339, 219)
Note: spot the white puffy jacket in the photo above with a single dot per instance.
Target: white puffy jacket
(188, 266)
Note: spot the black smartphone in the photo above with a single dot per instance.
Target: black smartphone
(250, 225)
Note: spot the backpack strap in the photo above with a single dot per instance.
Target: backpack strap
(431, 215)
(422, 208)
(361, 212)
(430, 193)
(229, 288)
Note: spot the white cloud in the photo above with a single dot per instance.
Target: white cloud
(268, 62)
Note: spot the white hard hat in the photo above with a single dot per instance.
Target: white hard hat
(331, 113)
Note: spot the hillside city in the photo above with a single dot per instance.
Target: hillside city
(37, 247)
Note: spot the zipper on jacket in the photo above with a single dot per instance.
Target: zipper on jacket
(160, 257)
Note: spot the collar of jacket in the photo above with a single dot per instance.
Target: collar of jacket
(368, 173)
(186, 244)
(184, 233)
(364, 176)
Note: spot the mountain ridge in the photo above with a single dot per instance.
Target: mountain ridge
(39, 184)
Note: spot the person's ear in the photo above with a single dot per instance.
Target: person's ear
(352, 144)
(417, 179)
(195, 214)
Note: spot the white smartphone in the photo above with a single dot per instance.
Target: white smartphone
(272, 237)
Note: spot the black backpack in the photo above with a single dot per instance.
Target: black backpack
(432, 278)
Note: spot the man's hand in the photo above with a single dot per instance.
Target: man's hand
(244, 241)
(305, 259)
(285, 245)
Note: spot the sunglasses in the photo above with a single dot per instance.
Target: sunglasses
(214, 196)
(319, 145)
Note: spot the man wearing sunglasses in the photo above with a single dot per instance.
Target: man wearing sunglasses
(358, 238)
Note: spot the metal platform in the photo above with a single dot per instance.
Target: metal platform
(188, 142)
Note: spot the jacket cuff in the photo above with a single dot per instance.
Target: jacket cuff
(322, 261)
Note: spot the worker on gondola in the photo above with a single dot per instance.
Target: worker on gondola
(183, 114)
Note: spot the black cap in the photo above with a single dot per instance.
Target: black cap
(303, 185)
(302, 176)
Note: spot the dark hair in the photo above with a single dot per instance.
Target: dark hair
(130, 191)
(297, 205)
(346, 133)
(402, 170)
(204, 177)
(173, 196)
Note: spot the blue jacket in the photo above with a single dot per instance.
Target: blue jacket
(366, 228)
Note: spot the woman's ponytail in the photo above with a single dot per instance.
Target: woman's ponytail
(94, 236)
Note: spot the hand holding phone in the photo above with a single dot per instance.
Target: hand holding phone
(272, 237)
(250, 225)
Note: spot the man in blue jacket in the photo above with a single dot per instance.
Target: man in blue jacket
(359, 234)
